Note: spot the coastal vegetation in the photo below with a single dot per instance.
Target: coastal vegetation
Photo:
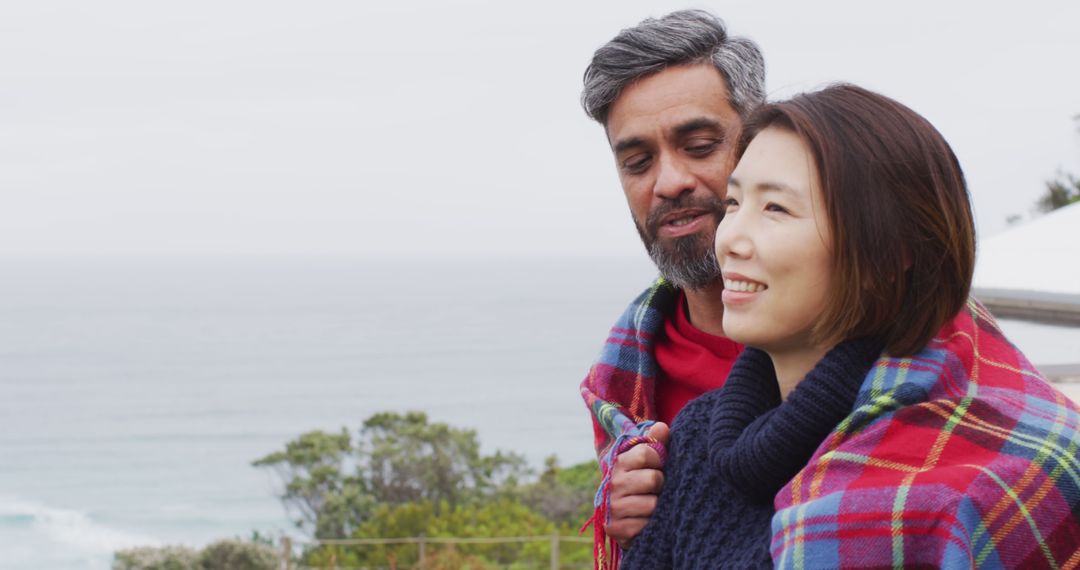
(1060, 191)
(403, 476)
(228, 554)
(1063, 190)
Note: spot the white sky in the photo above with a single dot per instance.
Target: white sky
(447, 127)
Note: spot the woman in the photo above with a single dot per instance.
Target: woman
(880, 419)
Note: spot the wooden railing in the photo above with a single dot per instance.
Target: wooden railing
(422, 543)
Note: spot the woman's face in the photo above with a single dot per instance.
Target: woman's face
(773, 245)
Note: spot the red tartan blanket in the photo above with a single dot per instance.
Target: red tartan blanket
(960, 456)
(620, 392)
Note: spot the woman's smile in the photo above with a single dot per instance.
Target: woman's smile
(772, 244)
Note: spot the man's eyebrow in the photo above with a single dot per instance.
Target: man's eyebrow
(681, 130)
(698, 124)
(626, 144)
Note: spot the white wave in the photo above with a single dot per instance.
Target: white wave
(70, 528)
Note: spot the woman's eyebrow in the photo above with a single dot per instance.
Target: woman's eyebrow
(776, 187)
(768, 186)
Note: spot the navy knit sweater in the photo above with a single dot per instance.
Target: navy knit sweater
(732, 449)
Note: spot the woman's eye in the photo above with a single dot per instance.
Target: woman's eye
(774, 207)
(730, 203)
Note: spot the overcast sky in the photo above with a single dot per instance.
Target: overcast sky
(205, 127)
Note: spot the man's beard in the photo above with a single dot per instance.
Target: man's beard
(688, 262)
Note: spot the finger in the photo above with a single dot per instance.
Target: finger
(625, 530)
(633, 506)
(650, 457)
(660, 432)
(636, 457)
(641, 456)
(637, 482)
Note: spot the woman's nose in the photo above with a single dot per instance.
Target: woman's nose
(732, 239)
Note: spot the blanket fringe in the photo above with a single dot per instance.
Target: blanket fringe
(606, 552)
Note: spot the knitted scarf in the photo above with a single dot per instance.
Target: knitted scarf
(620, 393)
(959, 456)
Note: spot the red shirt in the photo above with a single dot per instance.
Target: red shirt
(690, 362)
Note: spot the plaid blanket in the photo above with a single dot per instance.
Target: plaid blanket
(620, 392)
(960, 456)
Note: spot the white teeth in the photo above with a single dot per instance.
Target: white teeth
(682, 221)
(744, 286)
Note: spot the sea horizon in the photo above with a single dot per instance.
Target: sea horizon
(137, 390)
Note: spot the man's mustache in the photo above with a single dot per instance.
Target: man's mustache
(710, 203)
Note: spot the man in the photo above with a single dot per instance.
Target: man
(671, 94)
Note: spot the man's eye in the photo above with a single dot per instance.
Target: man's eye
(702, 148)
(636, 165)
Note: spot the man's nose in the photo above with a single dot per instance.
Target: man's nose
(673, 179)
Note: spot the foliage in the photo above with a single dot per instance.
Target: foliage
(504, 517)
(318, 489)
(407, 477)
(332, 485)
(451, 558)
(239, 555)
(410, 460)
(157, 558)
(1060, 192)
(1063, 190)
(229, 554)
(563, 495)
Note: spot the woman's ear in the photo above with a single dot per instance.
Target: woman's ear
(868, 277)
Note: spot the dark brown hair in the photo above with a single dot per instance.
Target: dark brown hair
(903, 238)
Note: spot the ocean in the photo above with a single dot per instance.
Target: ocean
(135, 392)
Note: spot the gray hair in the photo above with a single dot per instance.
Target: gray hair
(683, 37)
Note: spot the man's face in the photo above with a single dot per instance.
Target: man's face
(672, 134)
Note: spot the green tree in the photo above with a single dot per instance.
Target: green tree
(1063, 190)
(332, 484)
(322, 489)
(1060, 192)
(410, 460)
(563, 496)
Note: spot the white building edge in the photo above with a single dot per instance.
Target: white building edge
(1029, 278)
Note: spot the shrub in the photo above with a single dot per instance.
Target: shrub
(157, 558)
(235, 554)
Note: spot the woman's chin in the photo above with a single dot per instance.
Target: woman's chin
(736, 330)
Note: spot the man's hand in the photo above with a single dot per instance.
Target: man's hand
(635, 485)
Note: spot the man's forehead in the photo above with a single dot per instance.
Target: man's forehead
(669, 100)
